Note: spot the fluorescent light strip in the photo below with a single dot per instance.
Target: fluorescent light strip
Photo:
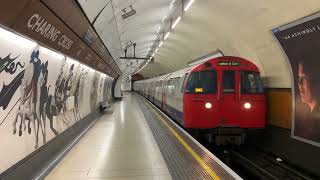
(53, 53)
(167, 35)
(188, 5)
(72, 61)
(176, 22)
(156, 50)
(160, 43)
(171, 4)
(153, 54)
(14, 38)
(158, 29)
(164, 19)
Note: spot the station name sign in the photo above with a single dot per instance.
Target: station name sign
(228, 63)
(41, 26)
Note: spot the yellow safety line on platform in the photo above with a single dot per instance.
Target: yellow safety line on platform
(189, 149)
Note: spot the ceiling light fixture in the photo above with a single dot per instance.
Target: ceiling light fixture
(167, 35)
(158, 29)
(11, 37)
(156, 50)
(160, 43)
(164, 19)
(176, 22)
(171, 4)
(188, 5)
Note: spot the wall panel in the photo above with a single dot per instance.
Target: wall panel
(42, 93)
(279, 107)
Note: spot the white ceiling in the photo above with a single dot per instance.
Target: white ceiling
(236, 27)
(117, 32)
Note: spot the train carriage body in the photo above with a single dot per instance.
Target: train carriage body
(224, 93)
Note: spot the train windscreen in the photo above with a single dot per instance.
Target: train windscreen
(203, 82)
(251, 83)
(228, 81)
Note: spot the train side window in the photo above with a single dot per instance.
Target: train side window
(173, 84)
(228, 81)
(184, 82)
(170, 86)
(176, 82)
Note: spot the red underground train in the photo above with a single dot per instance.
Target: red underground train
(221, 98)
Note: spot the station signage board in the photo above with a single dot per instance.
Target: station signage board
(82, 27)
(34, 20)
(10, 11)
(300, 41)
(38, 23)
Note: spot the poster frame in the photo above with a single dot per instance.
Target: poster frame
(293, 94)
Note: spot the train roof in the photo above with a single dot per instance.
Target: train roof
(218, 62)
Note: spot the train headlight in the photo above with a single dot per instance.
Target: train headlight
(208, 105)
(247, 105)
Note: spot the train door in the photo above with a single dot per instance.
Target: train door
(156, 92)
(170, 96)
(152, 91)
(229, 98)
(164, 95)
(159, 94)
(252, 100)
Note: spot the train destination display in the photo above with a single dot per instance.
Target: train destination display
(230, 63)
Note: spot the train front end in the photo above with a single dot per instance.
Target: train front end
(224, 97)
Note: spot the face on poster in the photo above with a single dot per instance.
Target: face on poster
(300, 41)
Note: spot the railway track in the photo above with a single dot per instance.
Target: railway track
(251, 163)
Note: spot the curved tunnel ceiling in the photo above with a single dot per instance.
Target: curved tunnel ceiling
(117, 33)
(237, 28)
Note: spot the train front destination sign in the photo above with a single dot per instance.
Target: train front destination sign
(229, 63)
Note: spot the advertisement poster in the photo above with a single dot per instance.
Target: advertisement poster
(300, 41)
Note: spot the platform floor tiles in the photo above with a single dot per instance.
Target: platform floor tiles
(119, 146)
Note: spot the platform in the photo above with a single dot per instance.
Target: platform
(137, 141)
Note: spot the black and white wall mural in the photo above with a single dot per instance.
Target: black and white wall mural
(42, 93)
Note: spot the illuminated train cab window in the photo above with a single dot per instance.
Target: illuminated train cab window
(228, 81)
(202, 82)
(251, 83)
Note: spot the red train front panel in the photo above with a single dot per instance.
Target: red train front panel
(224, 92)
(200, 102)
